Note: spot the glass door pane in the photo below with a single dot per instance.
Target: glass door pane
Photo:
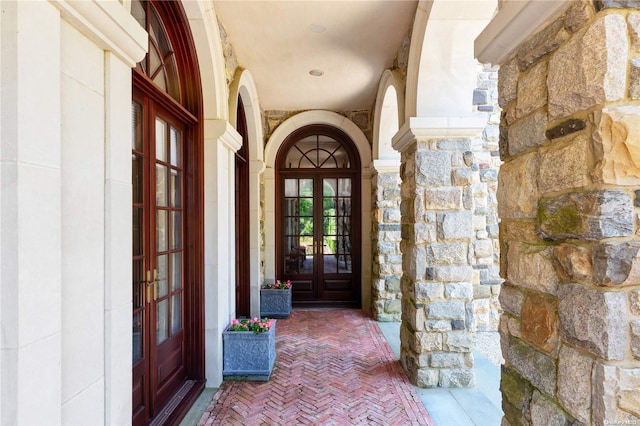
(298, 226)
(138, 249)
(168, 283)
(336, 229)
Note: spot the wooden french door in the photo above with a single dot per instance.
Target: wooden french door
(319, 218)
(158, 257)
(243, 255)
(168, 249)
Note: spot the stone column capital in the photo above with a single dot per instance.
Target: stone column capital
(109, 24)
(385, 166)
(224, 132)
(438, 127)
(515, 22)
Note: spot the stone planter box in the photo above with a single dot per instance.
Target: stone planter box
(248, 356)
(275, 303)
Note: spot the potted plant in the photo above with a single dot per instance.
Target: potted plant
(275, 299)
(249, 349)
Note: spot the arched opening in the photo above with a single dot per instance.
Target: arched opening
(318, 241)
(243, 255)
(167, 170)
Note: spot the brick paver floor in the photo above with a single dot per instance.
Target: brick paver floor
(333, 367)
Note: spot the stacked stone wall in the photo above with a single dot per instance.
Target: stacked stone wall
(387, 258)
(437, 290)
(569, 208)
(484, 161)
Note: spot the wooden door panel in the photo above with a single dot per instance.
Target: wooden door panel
(338, 285)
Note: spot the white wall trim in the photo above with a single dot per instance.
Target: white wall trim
(513, 24)
(243, 86)
(108, 24)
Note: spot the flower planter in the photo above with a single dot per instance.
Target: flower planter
(275, 303)
(248, 356)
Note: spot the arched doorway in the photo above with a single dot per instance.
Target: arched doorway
(243, 255)
(318, 241)
(168, 360)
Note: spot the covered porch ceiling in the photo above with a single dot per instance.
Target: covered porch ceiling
(285, 44)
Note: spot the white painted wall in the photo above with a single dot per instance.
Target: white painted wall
(30, 216)
(220, 144)
(83, 223)
(65, 222)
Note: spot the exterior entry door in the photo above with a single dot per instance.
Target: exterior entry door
(168, 219)
(318, 236)
(158, 258)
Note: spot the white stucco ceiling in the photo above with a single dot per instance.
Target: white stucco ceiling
(352, 42)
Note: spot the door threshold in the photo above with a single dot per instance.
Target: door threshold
(179, 405)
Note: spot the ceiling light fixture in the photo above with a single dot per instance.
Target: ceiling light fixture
(316, 73)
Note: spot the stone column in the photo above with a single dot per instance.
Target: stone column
(385, 231)
(569, 208)
(437, 230)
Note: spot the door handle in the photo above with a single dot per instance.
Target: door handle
(155, 284)
(152, 286)
(148, 285)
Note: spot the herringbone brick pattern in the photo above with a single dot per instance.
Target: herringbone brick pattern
(333, 367)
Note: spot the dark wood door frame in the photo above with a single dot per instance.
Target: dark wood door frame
(354, 173)
(188, 110)
(243, 260)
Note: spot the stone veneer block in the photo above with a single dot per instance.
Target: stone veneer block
(446, 310)
(453, 273)
(579, 12)
(541, 44)
(511, 299)
(515, 389)
(629, 385)
(617, 4)
(458, 341)
(594, 320)
(574, 383)
(634, 302)
(614, 390)
(534, 366)
(454, 253)
(456, 378)
(590, 69)
(616, 145)
(528, 132)
(634, 31)
(544, 412)
(443, 198)
(634, 78)
(454, 225)
(635, 338)
(590, 215)
(540, 321)
(530, 266)
(507, 82)
(616, 264)
(433, 168)
(574, 262)
(518, 188)
(532, 90)
(428, 291)
(566, 165)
